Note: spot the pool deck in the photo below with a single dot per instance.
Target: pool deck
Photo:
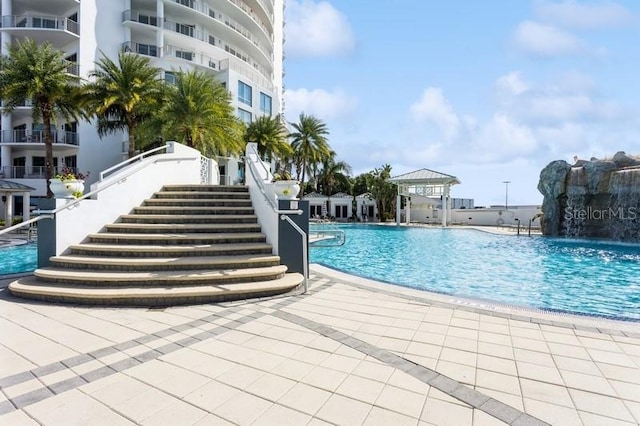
(349, 352)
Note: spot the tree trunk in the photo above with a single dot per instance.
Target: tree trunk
(48, 147)
(132, 142)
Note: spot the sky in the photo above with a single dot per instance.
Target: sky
(488, 91)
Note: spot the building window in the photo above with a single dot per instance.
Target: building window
(244, 116)
(184, 55)
(185, 29)
(244, 93)
(147, 49)
(169, 77)
(265, 103)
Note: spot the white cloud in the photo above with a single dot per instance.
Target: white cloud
(317, 30)
(546, 40)
(434, 108)
(511, 84)
(502, 137)
(318, 102)
(571, 14)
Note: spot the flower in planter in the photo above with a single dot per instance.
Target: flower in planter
(68, 174)
(282, 176)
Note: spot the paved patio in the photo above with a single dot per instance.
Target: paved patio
(350, 352)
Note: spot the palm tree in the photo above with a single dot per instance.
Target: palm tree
(39, 74)
(383, 191)
(124, 95)
(309, 142)
(197, 112)
(334, 174)
(271, 136)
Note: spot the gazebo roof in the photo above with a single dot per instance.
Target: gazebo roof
(315, 195)
(9, 186)
(341, 195)
(425, 176)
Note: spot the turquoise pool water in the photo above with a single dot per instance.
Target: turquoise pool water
(584, 277)
(16, 259)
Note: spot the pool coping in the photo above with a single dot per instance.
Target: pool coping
(629, 328)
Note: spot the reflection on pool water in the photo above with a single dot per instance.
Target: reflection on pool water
(586, 277)
(16, 259)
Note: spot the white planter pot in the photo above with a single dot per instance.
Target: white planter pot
(286, 189)
(66, 188)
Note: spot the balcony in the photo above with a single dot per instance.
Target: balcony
(135, 16)
(37, 137)
(140, 48)
(27, 172)
(59, 30)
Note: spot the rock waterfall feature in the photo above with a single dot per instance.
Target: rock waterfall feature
(593, 199)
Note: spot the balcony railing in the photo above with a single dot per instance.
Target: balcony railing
(135, 16)
(28, 172)
(37, 136)
(73, 68)
(140, 48)
(46, 22)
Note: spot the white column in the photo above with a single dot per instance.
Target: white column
(160, 32)
(398, 204)
(407, 211)
(5, 157)
(8, 210)
(26, 211)
(444, 209)
(448, 205)
(6, 37)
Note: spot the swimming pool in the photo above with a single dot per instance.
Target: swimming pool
(17, 259)
(578, 276)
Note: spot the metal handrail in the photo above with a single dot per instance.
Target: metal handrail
(110, 184)
(338, 235)
(131, 160)
(45, 215)
(305, 263)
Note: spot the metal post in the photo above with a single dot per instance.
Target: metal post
(506, 194)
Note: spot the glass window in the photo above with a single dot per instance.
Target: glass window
(169, 77)
(244, 93)
(245, 116)
(265, 103)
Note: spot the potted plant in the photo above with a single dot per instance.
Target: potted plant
(69, 183)
(284, 186)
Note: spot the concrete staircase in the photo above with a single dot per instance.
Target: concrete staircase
(188, 244)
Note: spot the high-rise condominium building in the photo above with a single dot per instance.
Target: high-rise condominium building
(239, 41)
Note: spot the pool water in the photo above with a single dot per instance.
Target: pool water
(16, 259)
(578, 276)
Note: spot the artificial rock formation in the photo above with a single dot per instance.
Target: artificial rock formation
(595, 198)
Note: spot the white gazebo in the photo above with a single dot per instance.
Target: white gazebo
(424, 183)
(341, 206)
(8, 190)
(366, 207)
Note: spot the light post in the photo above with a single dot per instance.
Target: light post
(506, 194)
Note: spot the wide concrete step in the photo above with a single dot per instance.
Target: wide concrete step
(214, 202)
(210, 195)
(198, 218)
(29, 287)
(93, 249)
(187, 228)
(193, 210)
(154, 278)
(177, 239)
(164, 263)
(206, 188)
